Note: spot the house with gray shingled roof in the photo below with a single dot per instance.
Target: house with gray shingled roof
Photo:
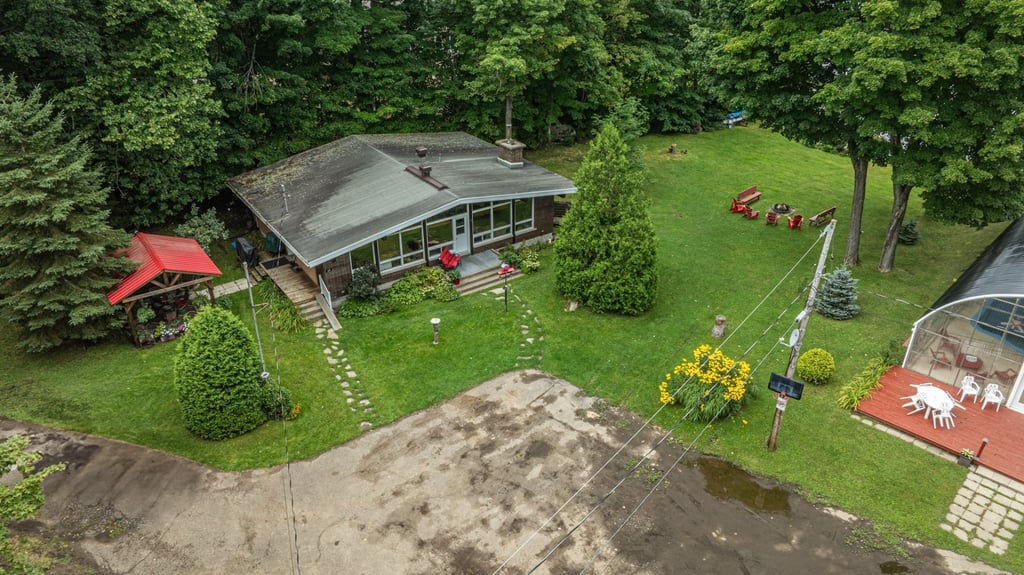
(395, 201)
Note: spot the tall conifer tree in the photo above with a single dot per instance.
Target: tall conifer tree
(55, 243)
(605, 252)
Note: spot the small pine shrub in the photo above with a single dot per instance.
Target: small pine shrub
(815, 366)
(908, 234)
(838, 296)
(217, 377)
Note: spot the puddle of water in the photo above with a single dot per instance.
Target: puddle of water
(893, 567)
(726, 481)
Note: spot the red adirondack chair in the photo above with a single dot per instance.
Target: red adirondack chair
(796, 222)
(771, 219)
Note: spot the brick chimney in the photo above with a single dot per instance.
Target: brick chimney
(510, 152)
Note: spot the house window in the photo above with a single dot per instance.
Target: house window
(439, 234)
(492, 221)
(524, 214)
(403, 248)
(361, 256)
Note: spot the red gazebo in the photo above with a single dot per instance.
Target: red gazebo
(166, 264)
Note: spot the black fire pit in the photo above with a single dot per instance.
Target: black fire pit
(782, 208)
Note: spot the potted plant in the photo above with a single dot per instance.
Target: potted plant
(455, 276)
(966, 457)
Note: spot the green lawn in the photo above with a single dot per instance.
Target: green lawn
(710, 262)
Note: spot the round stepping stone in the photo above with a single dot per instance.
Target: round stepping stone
(366, 425)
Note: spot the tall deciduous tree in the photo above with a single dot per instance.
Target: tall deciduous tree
(605, 253)
(940, 84)
(773, 64)
(56, 247)
(149, 103)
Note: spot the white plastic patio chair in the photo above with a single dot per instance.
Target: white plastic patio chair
(943, 417)
(992, 395)
(969, 387)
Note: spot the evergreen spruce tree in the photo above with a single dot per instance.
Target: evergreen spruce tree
(605, 252)
(217, 377)
(56, 247)
(838, 296)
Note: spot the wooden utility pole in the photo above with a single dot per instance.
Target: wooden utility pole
(805, 315)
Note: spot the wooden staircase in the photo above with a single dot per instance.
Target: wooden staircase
(299, 289)
(482, 281)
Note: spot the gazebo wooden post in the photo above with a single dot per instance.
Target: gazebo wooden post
(209, 288)
(129, 307)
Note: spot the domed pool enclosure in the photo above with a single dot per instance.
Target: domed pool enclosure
(976, 327)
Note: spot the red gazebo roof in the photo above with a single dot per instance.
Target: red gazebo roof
(158, 254)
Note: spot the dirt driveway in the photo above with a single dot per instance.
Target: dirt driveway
(465, 487)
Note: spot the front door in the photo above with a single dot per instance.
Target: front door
(461, 227)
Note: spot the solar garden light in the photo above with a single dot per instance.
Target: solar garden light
(435, 322)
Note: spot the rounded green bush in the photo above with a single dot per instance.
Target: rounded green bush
(217, 377)
(815, 366)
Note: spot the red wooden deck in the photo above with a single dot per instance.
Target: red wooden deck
(1004, 429)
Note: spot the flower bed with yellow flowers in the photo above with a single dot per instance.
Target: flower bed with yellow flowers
(713, 384)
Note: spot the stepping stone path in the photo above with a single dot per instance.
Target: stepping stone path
(531, 349)
(346, 377)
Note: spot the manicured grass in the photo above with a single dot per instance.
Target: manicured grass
(117, 391)
(709, 262)
(713, 262)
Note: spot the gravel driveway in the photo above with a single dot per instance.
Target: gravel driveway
(471, 486)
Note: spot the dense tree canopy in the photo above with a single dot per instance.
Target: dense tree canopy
(174, 96)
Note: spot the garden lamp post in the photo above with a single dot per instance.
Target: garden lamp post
(436, 322)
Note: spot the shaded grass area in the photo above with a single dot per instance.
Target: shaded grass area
(709, 262)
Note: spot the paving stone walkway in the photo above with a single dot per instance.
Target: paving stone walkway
(987, 510)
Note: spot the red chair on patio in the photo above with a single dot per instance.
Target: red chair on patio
(796, 222)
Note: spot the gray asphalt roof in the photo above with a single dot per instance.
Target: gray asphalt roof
(329, 200)
(998, 271)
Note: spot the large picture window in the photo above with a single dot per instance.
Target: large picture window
(440, 234)
(403, 248)
(492, 221)
(524, 214)
(362, 256)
